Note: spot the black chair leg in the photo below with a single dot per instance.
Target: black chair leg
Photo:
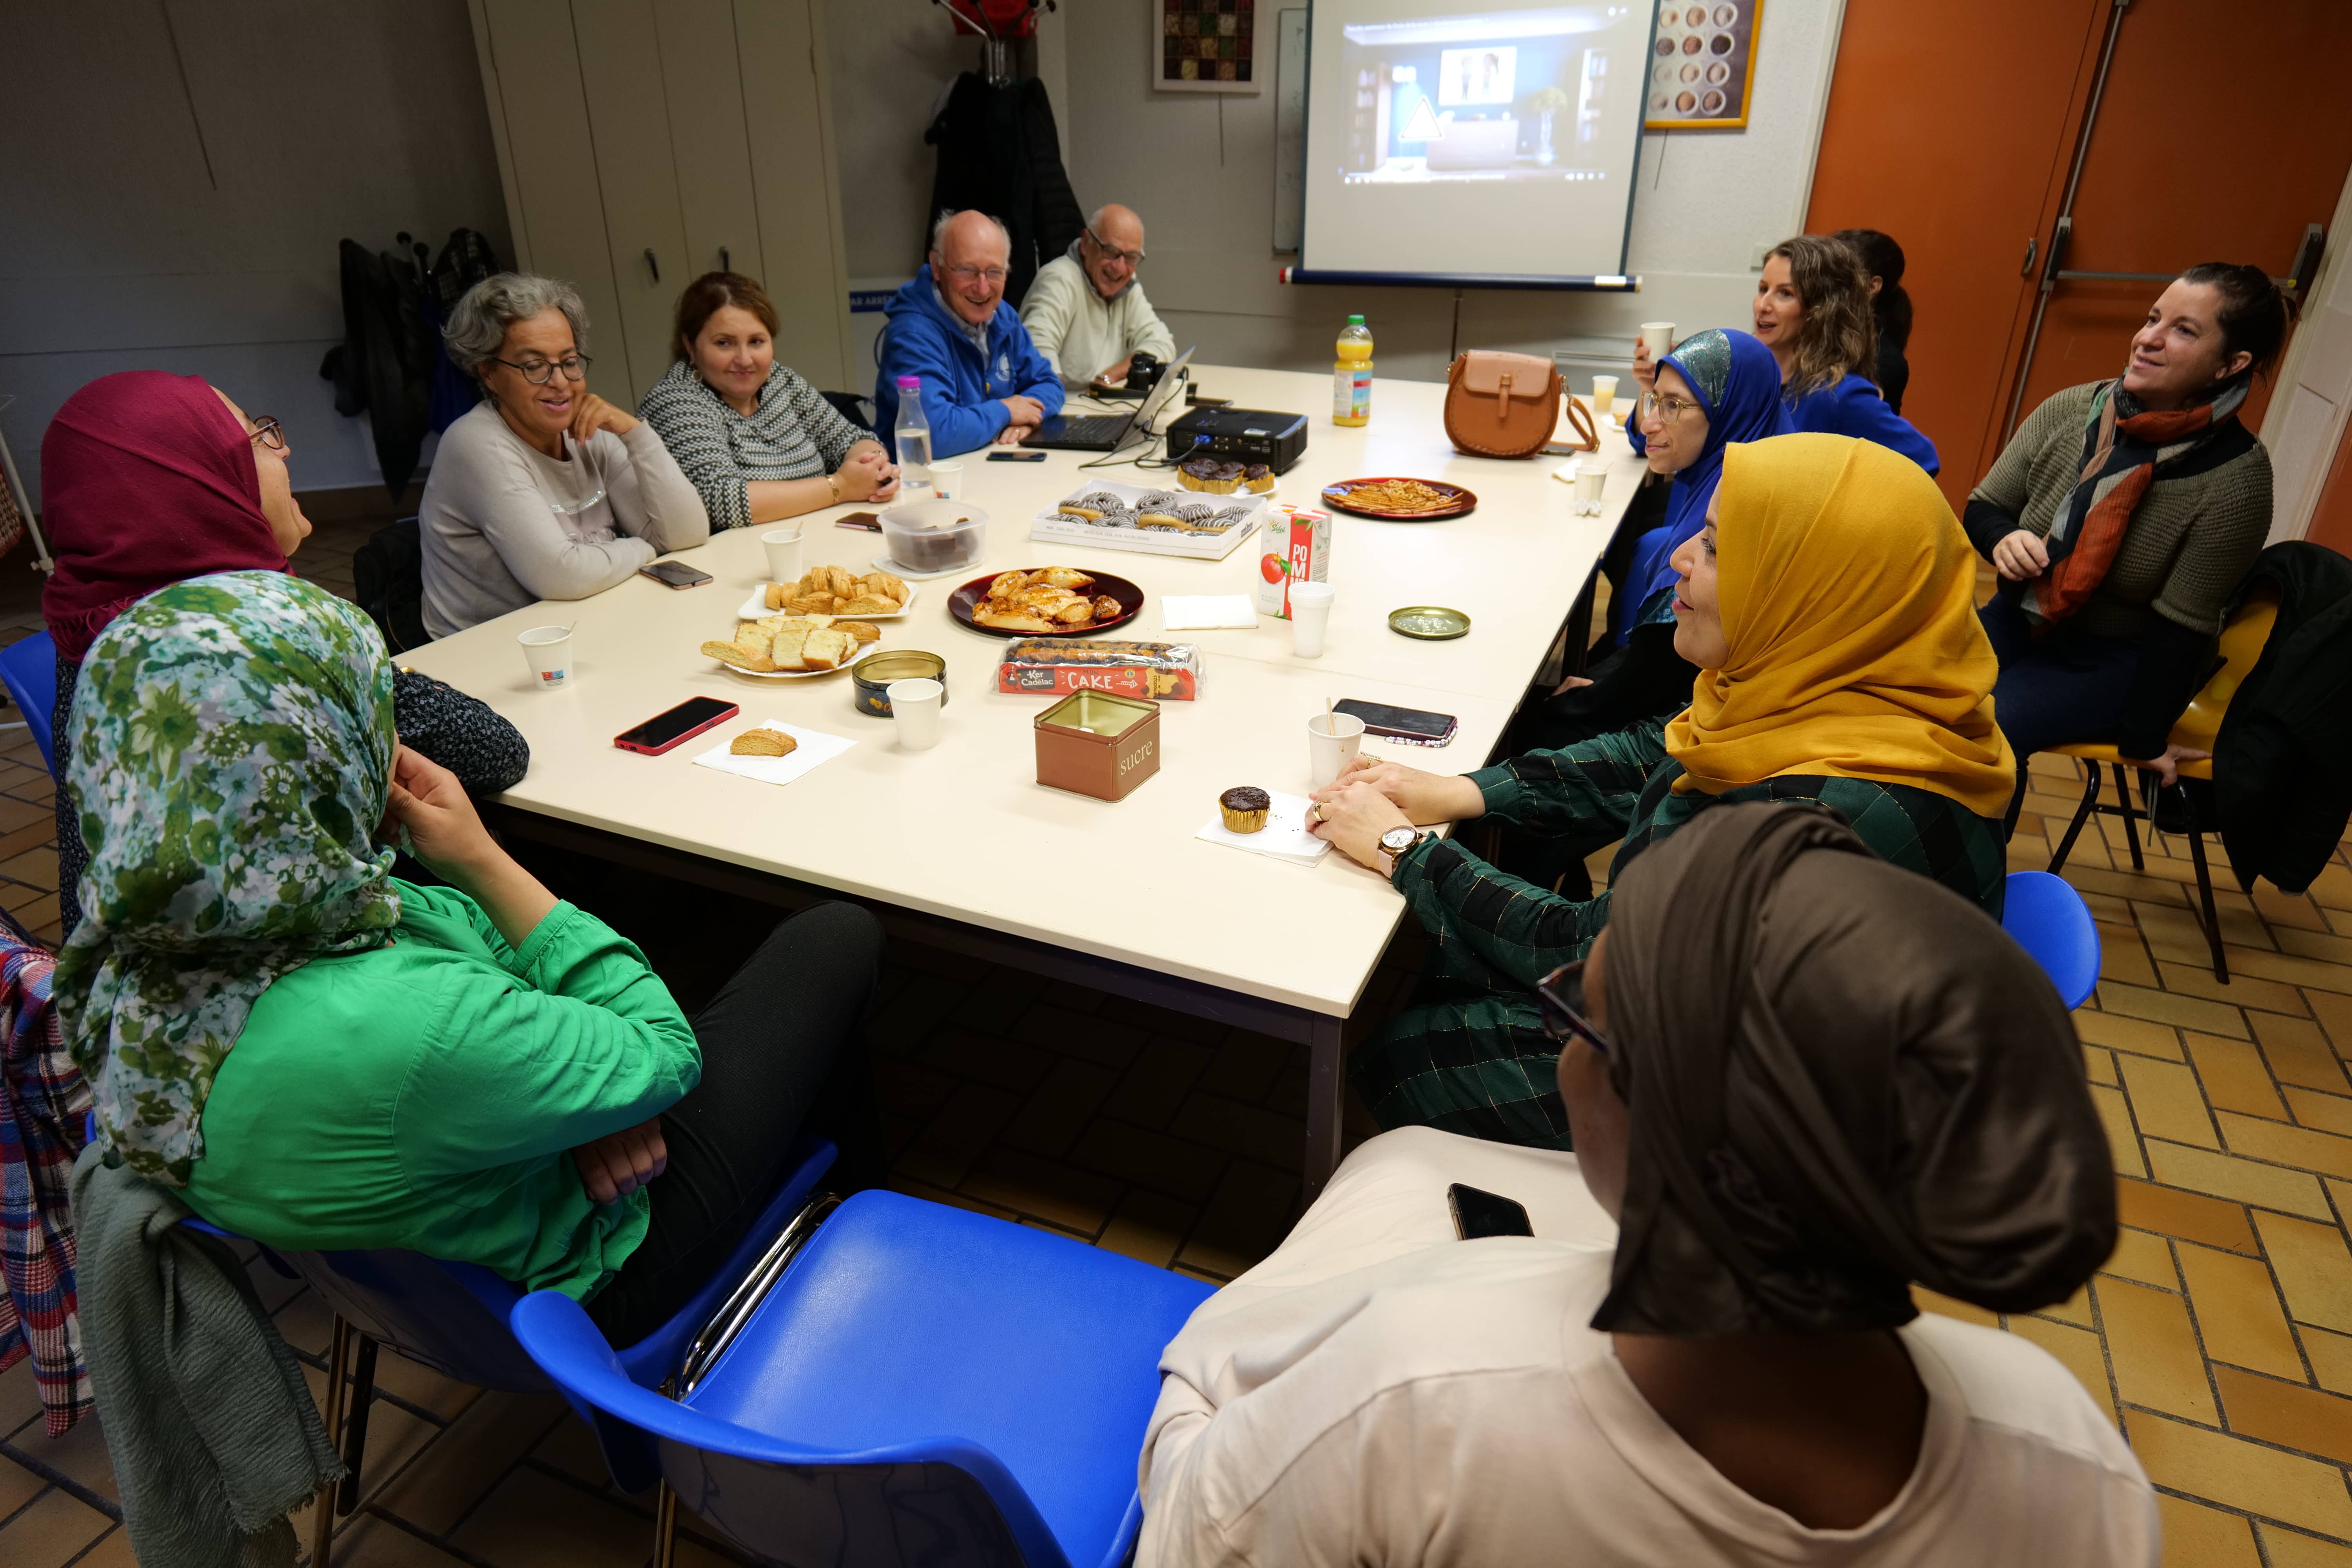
(355, 1426)
(2081, 815)
(2131, 830)
(2205, 889)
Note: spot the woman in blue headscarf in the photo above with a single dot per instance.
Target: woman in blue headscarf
(1719, 387)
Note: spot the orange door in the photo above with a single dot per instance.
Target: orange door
(1949, 124)
(2221, 135)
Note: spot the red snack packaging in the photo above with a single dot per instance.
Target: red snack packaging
(1049, 667)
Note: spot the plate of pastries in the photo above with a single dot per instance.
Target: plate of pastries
(1398, 500)
(788, 648)
(833, 591)
(1168, 511)
(1045, 600)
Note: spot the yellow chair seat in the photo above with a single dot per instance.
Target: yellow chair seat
(2200, 724)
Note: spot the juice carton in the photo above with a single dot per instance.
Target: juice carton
(1297, 546)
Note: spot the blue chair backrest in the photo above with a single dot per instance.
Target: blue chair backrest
(2048, 919)
(28, 669)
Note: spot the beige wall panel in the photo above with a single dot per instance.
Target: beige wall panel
(793, 171)
(628, 121)
(710, 144)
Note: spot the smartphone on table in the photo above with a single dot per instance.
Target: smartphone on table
(1413, 726)
(681, 724)
(675, 574)
(1478, 1213)
(1004, 455)
(870, 522)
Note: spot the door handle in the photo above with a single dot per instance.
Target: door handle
(653, 262)
(2032, 245)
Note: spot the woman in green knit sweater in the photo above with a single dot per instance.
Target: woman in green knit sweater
(318, 1055)
(2121, 517)
(1830, 605)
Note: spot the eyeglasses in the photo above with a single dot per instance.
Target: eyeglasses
(268, 432)
(540, 372)
(1112, 253)
(1561, 996)
(1664, 409)
(995, 275)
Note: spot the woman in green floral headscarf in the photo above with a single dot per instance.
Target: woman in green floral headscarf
(319, 1054)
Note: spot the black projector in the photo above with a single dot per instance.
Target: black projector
(1240, 436)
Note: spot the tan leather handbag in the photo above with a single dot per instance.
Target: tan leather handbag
(1506, 404)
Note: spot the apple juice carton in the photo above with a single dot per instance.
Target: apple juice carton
(1298, 548)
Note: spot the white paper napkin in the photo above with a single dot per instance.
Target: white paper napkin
(1283, 836)
(1566, 472)
(816, 748)
(1207, 612)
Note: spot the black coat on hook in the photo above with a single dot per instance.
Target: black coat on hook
(999, 152)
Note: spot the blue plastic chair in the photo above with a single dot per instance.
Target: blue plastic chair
(28, 669)
(914, 1382)
(2048, 919)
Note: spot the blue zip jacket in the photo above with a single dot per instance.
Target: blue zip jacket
(960, 392)
(1851, 407)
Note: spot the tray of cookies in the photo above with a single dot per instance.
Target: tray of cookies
(1152, 521)
(794, 648)
(833, 591)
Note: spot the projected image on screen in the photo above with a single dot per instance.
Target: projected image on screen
(1455, 137)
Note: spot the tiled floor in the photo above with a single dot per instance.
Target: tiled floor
(2219, 1334)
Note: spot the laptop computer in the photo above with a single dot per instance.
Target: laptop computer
(1109, 432)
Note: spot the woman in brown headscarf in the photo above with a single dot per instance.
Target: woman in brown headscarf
(1799, 1080)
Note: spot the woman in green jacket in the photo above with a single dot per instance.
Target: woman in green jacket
(1829, 605)
(321, 1056)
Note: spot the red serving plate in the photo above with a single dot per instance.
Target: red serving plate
(1334, 496)
(966, 599)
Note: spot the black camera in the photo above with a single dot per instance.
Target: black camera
(1143, 371)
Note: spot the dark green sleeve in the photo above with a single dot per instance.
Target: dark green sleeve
(1515, 927)
(1589, 786)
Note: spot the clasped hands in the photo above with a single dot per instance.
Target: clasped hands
(1028, 415)
(1373, 795)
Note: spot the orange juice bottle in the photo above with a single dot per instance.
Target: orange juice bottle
(1351, 376)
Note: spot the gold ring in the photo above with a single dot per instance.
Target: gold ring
(1315, 815)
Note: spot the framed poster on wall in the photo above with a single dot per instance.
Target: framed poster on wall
(1206, 45)
(1703, 64)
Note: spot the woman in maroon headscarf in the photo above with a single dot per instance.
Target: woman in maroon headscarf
(150, 478)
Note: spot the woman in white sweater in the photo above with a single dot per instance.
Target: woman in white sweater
(545, 490)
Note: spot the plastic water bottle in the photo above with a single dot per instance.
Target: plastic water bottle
(1351, 376)
(913, 435)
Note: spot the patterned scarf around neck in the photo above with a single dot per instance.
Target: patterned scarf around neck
(2089, 530)
(232, 744)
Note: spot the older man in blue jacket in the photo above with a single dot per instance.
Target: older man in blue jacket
(983, 380)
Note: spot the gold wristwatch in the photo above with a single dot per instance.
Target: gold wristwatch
(1394, 844)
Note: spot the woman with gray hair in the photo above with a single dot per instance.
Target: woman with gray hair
(546, 490)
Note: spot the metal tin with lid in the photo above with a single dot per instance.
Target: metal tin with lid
(873, 674)
(1429, 623)
(1097, 743)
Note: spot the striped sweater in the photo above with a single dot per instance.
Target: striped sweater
(795, 435)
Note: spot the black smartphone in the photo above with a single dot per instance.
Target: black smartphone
(1413, 726)
(1478, 1213)
(675, 574)
(1009, 456)
(681, 724)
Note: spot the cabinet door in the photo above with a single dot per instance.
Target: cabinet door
(709, 143)
(540, 109)
(793, 177)
(629, 145)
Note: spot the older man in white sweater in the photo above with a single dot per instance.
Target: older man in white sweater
(1086, 311)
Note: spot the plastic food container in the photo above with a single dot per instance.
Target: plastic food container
(873, 674)
(1094, 744)
(929, 537)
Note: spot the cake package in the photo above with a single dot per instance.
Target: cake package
(1049, 666)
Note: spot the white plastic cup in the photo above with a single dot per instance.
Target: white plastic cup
(1605, 394)
(1310, 616)
(548, 651)
(783, 548)
(1332, 741)
(1658, 337)
(1589, 484)
(947, 482)
(914, 710)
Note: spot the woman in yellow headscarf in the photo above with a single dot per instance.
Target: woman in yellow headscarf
(1830, 605)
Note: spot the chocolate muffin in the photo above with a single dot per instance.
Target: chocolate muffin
(1244, 808)
(1257, 477)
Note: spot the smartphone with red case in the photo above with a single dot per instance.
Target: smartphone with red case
(681, 724)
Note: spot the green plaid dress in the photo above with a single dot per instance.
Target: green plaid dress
(1470, 1056)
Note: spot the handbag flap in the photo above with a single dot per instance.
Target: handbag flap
(1484, 370)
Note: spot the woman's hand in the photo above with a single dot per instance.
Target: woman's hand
(1353, 815)
(1424, 798)
(618, 1163)
(1571, 684)
(1645, 373)
(444, 829)
(2021, 556)
(594, 413)
(865, 475)
(2166, 765)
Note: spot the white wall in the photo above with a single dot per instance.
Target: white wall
(1200, 170)
(2312, 412)
(119, 251)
